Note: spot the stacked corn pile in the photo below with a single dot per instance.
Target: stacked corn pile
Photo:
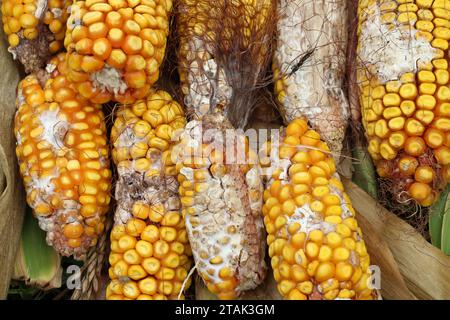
(35, 29)
(64, 159)
(222, 57)
(403, 75)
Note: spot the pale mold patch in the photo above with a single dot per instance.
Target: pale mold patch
(54, 128)
(127, 139)
(41, 8)
(121, 216)
(284, 165)
(57, 13)
(44, 187)
(210, 242)
(50, 67)
(346, 213)
(254, 183)
(208, 84)
(187, 172)
(19, 139)
(391, 52)
(109, 79)
(309, 221)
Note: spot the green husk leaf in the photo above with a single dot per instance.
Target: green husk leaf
(436, 217)
(445, 233)
(364, 175)
(36, 263)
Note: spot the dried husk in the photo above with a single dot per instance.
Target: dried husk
(12, 198)
(425, 269)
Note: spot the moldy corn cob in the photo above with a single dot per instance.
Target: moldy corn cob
(150, 253)
(35, 29)
(222, 204)
(63, 158)
(309, 66)
(315, 244)
(115, 47)
(223, 54)
(403, 75)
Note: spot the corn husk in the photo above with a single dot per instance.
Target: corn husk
(37, 263)
(439, 222)
(424, 268)
(12, 200)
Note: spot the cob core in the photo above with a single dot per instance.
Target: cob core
(315, 244)
(403, 75)
(63, 159)
(150, 253)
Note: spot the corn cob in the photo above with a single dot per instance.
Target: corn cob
(63, 158)
(224, 51)
(150, 253)
(222, 202)
(315, 244)
(35, 29)
(309, 66)
(403, 78)
(115, 47)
